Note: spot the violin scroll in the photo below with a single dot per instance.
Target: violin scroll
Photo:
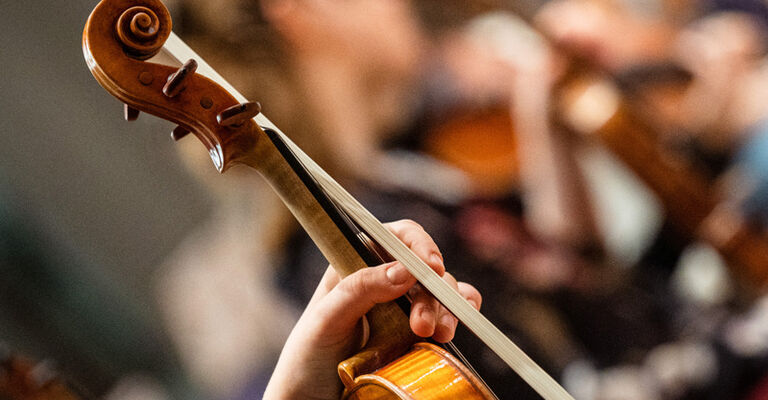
(119, 39)
(141, 31)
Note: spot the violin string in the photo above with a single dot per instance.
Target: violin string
(455, 350)
(499, 343)
(382, 256)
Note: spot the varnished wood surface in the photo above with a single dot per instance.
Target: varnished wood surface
(390, 330)
(135, 83)
(690, 201)
(197, 108)
(468, 315)
(427, 372)
(140, 84)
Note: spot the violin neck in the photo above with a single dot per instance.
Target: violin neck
(337, 239)
(391, 329)
(269, 161)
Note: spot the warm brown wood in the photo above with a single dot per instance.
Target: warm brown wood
(115, 49)
(179, 133)
(239, 114)
(142, 30)
(499, 343)
(22, 379)
(176, 82)
(413, 376)
(690, 201)
(236, 140)
(116, 68)
(130, 113)
(482, 143)
(390, 331)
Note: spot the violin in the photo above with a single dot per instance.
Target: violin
(480, 142)
(23, 379)
(128, 45)
(592, 105)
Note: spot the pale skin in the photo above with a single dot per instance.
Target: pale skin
(329, 329)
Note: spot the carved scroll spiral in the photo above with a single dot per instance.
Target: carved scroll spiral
(142, 32)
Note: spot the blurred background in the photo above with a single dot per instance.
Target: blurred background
(597, 168)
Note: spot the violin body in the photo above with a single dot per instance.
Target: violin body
(591, 105)
(119, 41)
(119, 37)
(427, 372)
(482, 143)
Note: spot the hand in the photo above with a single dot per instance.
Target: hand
(327, 331)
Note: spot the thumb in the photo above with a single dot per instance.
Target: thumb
(356, 294)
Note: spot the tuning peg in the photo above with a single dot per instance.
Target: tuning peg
(176, 81)
(131, 114)
(238, 114)
(179, 132)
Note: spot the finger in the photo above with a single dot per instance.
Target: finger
(424, 311)
(329, 280)
(419, 241)
(471, 294)
(356, 294)
(446, 322)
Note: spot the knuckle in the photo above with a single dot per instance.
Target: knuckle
(357, 284)
(413, 292)
(419, 240)
(411, 223)
(451, 279)
(478, 298)
(417, 291)
(470, 293)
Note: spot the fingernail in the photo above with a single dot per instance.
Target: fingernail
(472, 303)
(397, 274)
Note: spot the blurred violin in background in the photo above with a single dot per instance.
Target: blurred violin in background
(23, 379)
(121, 35)
(592, 105)
(481, 143)
(634, 105)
